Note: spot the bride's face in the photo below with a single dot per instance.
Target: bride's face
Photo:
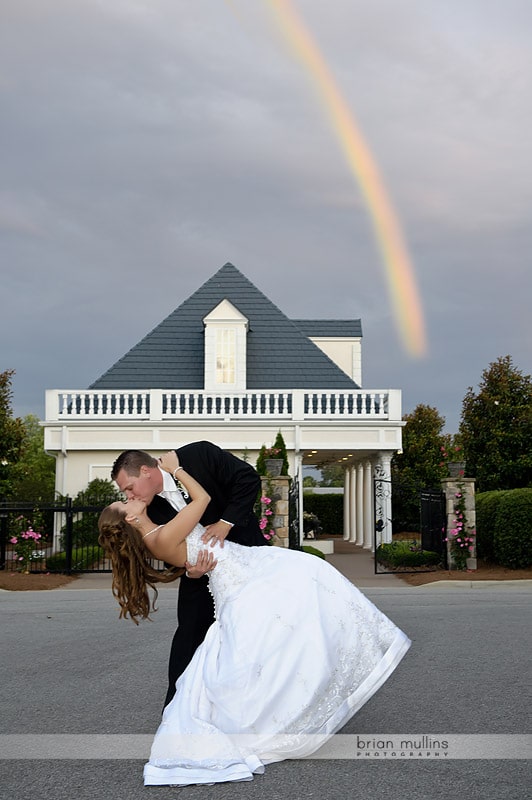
(131, 509)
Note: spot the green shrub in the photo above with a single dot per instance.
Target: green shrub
(82, 558)
(313, 551)
(277, 450)
(329, 508)
(486, 505)
(512, 535)
(406, 554)
(99, 493)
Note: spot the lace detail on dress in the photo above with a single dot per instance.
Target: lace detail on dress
(232, 571)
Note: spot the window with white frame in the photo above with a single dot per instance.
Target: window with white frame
(225, 355)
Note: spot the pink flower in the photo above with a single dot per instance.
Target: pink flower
(262, 523)
(265, 500)
(268, 512)
(14, 540)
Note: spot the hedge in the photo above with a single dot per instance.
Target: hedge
(486, 505)
(82, 558)
(329, 508)
(512, 532)
(406, 554)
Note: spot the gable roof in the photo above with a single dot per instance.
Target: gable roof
(279, 354)
(330, 327)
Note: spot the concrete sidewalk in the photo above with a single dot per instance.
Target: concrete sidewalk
(353, 561)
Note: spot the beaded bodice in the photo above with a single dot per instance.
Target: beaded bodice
(233, 569)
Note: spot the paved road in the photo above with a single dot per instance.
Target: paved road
(71, 666)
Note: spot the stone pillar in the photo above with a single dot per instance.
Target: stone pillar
(277, 489)
(452, 487)
(347, 476)
(368, 506)
(360, 504)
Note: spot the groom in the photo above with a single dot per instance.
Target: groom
(233, 486)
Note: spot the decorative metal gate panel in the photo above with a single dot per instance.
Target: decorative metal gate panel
(433, 520)
(407, 512)
(293, 515)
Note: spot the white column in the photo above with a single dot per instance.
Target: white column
(352, 505)
(360, 504)
(368, 506)
(299, 473)
(347, 520)
(383, 504)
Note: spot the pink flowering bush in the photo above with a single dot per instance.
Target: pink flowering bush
(266, 520)
(461, 538)
(24, 548)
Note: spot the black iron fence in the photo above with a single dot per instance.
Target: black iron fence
(416, 518)
(68, 537)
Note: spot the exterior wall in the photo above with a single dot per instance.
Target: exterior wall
(87, 452)
(346, 354)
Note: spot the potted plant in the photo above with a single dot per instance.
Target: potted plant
(273, 460)
(453, 457)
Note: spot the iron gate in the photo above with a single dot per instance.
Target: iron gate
(410, 513)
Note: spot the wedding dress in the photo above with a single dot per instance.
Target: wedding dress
(294, 652)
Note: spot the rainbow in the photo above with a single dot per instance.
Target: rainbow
(404, 295)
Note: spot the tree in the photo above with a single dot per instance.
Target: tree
(496, 428)
(420, 463)
(332, 475)
(34, 475)
(11, 436)
(419, 466)
(99, 492)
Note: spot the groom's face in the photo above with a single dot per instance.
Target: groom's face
(143, 486)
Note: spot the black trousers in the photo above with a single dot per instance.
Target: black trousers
(195, 615)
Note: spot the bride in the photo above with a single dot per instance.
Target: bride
(294, 652)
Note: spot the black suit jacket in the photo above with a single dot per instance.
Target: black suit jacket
(232, 484)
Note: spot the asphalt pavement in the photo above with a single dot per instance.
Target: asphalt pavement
(72, 668)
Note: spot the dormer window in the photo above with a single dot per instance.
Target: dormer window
(225, 355)
(225, 349)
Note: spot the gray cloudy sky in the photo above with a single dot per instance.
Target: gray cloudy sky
(144, 143)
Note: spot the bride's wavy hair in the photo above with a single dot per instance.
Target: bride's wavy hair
(133, 572)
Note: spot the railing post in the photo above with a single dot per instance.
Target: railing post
(68, 535)
(3, 533)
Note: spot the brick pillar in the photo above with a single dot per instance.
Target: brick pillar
(277, 489)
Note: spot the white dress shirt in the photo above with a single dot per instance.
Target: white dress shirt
(170, 491)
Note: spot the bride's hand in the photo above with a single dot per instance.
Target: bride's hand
(169, 461)
(135, 511)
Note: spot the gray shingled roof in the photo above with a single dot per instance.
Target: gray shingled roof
(279, 355)
(329, 327)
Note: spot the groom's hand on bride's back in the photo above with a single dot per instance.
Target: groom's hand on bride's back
(205, 563)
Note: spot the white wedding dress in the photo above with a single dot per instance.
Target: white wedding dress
(294, 652)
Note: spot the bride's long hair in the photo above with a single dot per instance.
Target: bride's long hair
(130, 561)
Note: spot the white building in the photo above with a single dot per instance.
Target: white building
(228, 366)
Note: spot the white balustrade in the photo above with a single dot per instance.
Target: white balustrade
(157, 404)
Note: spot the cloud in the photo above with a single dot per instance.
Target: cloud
(143, 144)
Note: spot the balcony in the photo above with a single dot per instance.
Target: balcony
(156, 405)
